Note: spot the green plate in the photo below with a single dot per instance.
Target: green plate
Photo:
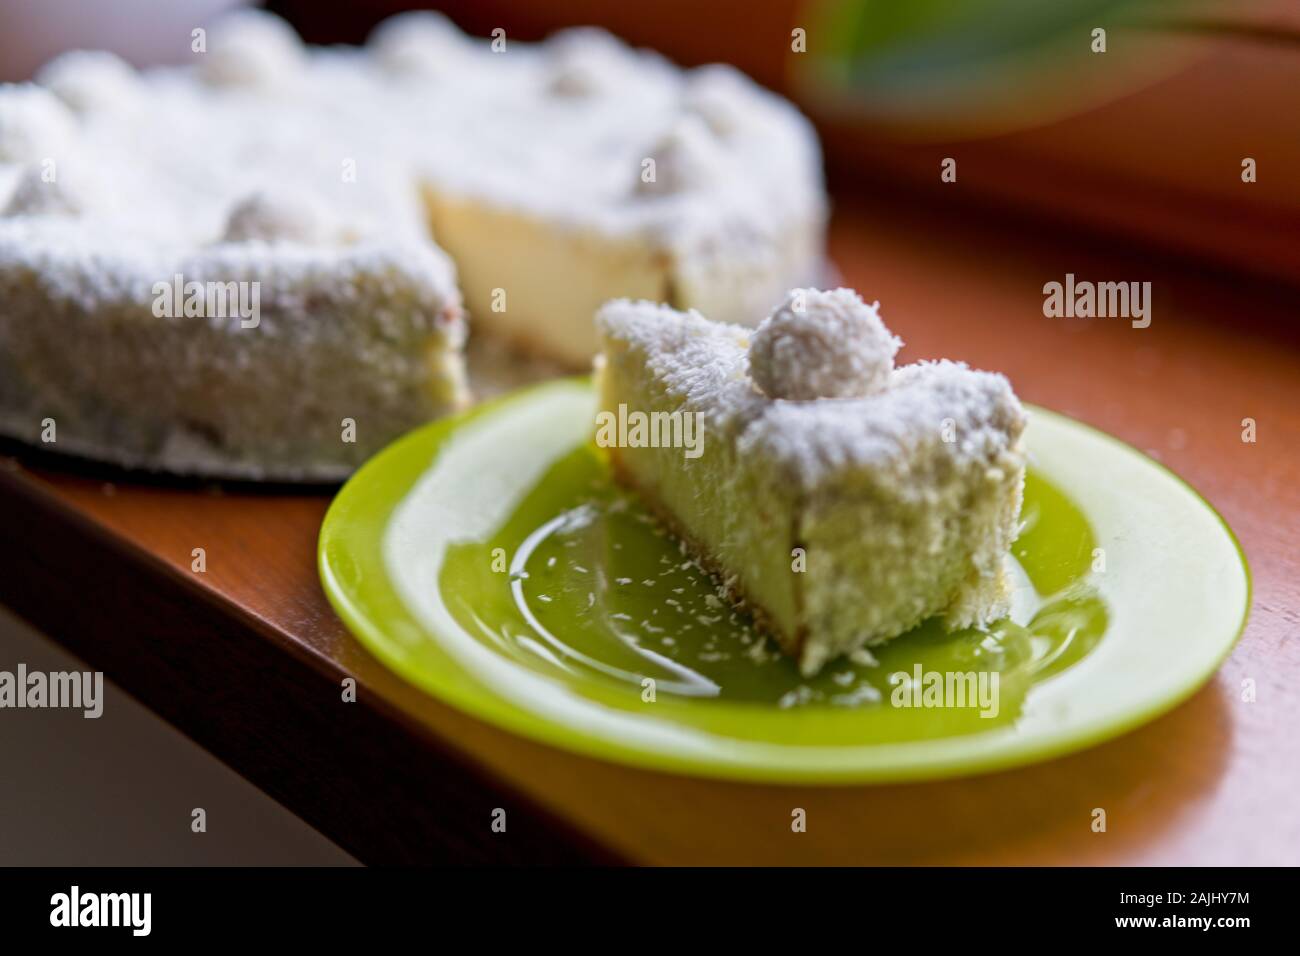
(489, 560)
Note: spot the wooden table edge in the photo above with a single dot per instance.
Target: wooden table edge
(332, 764)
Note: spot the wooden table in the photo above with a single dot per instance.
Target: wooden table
(248, 658)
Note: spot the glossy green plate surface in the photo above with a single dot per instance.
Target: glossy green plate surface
(489, 560)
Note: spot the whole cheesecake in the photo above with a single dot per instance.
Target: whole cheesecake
(258, 264)
(841, 499)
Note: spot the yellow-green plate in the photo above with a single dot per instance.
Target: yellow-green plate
(489, 560)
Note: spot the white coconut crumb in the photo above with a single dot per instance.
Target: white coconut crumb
(801, 695)
(863, 658)
(862, 694)
(35, 125)
(249, 48)
(91, 80)
(822, 345)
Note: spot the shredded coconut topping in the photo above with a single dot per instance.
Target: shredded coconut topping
(822, 345)
(269, 113)
(198, 183)
(704, 365)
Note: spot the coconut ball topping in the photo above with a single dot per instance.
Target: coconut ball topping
(822, 345)
(686, 159)
(277, 218)
(584, 62)
(34, 125)
(419, 43)
(252, 49)
(90, 80)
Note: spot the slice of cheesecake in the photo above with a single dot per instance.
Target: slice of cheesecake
(841, 499)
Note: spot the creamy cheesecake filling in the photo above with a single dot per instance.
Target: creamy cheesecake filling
(535, 287)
